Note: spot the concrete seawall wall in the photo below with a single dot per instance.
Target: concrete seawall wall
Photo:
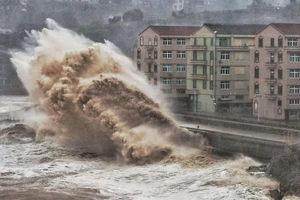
(254, 147)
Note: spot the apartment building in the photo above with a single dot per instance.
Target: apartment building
(161, 53)
(223, 85)
(275, 72)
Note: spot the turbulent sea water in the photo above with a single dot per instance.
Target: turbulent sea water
(46, 170)
(101, 133)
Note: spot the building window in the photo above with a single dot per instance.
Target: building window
(139, 66)
(211, 85)
(279, 102)
(260, 42)
(141, 41)
(225, 85)
(150, 41)
(256, 72)
(292, 42)
(149, 55)
(272, 89)
(155, 67)
(294, 57)
(194, 83)
(204, 86)
(256, 88)
(272, 60)
(167, 41)
(204, 70)
(280, 74)
(155, 41)
(167, 68)
(223, 42)
(195, 69)
(294, 101)
(239, 97)
(180, 54)
(180, 42)
(155, 54)
(155, 81)
(279, 89)
(294, 73)
(180, 91)
(180, 68)
(294, 112)
(211, 70)
(194, 55)
(225, 55)
(280, 43)
(272, 74)
(256, 107)
(279, 111)
(294, 90)
(167, 54)
(280, 58)
(225, 70)
(272, 42)
(180, 81)
(256, 56)
(167, 81)
(138, 54)
(149, 67)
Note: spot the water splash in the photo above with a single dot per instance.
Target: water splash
(94, 97)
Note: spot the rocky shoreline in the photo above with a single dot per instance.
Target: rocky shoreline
(285, 168)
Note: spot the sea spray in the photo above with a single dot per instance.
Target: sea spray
(95, 98)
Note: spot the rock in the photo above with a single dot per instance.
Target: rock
(286, 169)
(19, 133)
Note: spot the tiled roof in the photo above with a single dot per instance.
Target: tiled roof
(175, 30)
(285, 28)
(238, 29)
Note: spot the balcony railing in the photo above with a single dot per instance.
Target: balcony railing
(195, 91)
(232, 48)
(271, 96)
(271, 64)
(149, 60)
(149, 47)
(199, 76)
(292, 47)
(200, 62)
(271, 48)
(271, 80)
(196, 47)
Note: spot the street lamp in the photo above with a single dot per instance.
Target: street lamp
(215, 71)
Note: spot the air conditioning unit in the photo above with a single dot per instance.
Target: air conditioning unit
(220, 61)
(169, 74)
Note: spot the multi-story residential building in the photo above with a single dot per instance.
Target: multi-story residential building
(275, 72)
(222, 85)
(161, 53)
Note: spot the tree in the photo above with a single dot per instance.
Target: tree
(133, 15)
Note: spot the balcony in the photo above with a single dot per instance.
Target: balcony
(271, 65)
(149, 60)
(196, 47)
(195, 91)
(199, 62)
(292, 48)
(233, 48)
(149, 47)
(198, 76)
(271, 96)
(271, 80)
(149, 74)
(271, 48)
